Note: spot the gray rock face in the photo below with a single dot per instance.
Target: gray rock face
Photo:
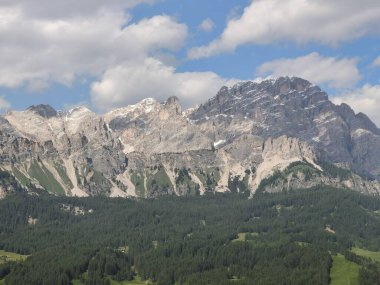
(233, 142)
(296, 108)
(73, 153)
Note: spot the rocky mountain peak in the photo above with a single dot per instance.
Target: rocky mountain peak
(269, 98)
(147, 102)
(357, 121)
(368, 123)
(45, 111)
(286, 84)
(173, 104)
(240, 137)
(78, 113)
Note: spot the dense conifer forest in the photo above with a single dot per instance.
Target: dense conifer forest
(284, 238)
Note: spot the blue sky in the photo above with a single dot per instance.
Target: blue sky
(107, 54)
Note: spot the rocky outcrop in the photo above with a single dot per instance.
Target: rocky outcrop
(279, 153)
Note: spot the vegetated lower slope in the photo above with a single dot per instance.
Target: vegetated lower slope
(190, 240)
(302, 174)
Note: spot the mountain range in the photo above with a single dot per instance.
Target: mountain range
(278, 134)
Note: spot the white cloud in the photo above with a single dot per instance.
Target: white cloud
(43, 41)
(4, 104)
(365, 100)
(132, 82)
(336, 72)
(376, 62)
(207, 25)
(49, 9)
(299, 21)
(59, 43)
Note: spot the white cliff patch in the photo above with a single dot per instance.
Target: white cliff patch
(195, 179)
(145, 106)
(361, 132)
(219, 142)
(125, 179)
(117, 192)
(172, 176)
(56, 176)
(32, 125)
(78, 119)
(75, 191)
(229, 169)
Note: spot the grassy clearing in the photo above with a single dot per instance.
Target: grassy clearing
(241, 237)
(344, 272)
(62, 173)
(137, 179)
(136, 281)
(209, 177)
(20, 176)
(6, 256)
(246, 237)
(45, 178)
(158, 180)
(99, 179)
(124, 249)
(245, 182)
(235, 278)
(184, 180)
(374, 255)
(237, 185)
(304, 244)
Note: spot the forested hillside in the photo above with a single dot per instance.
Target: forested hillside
(283, 238)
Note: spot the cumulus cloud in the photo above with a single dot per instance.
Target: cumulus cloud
(49, 9)
(132, 82)
(376, 62)
(365, 100)
(336, 72)
(299, 21)
(59, 42)
(43, 41)
(207, 25)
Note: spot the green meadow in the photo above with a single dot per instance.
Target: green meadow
(344, 272)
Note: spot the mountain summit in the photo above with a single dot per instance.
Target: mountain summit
(43, 110)
(268, 136)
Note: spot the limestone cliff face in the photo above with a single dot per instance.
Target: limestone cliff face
(279, 153)
(244, 136)
(61, 151)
